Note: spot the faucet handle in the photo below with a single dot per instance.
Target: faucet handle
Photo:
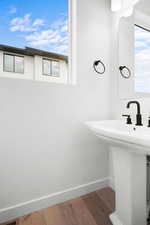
(126, 115)
(149, 121)
(128, 119)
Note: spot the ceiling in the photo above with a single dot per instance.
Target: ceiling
(144, 6)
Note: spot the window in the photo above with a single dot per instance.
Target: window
(8, 63)
(13, 63)
(48, 32)
(39, 27)
(142, 59)
(19, 64)
(46, 67)
(51, 67)
(55, 68)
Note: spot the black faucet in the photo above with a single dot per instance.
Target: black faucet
(138, 115)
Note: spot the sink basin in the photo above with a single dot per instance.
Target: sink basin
(119, 133)
(129, 146)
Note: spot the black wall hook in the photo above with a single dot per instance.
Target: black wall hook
(122, 72)
(95, 66)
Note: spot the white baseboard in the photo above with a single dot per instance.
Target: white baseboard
(24, 208)
(114, 219)
(112, 183)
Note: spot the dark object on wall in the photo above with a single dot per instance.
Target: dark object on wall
(149, 126)
(97, 64)
(125, 72)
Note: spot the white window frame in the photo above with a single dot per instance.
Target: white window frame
(51, 69)
(28, 67)
(50, 61)
(38, 69)
(72, 56)
(13, 55)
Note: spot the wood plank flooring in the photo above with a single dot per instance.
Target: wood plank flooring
(91, 209)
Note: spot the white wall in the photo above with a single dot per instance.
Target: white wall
(126, 56)
(44, 146)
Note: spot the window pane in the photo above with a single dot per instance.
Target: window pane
(55, 68)
(46, 24)
(8, 63)
(19, 64)
(142, 60)
(46, 67)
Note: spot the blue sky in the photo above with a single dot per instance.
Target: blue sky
(39, 24)
(142, 60)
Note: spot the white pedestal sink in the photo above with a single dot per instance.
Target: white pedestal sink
(129, 145)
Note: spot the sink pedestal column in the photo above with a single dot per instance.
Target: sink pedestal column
(130, 186)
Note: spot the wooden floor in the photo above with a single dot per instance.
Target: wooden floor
(90, 209)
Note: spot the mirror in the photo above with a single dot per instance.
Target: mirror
(134, 52)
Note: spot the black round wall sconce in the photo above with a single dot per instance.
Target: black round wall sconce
(125, 72)
(99, 67)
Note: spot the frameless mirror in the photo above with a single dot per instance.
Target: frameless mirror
(134, 51)
(142, 47)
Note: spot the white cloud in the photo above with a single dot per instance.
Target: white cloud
(51, 37)
(43, 37)
(54, 38)
(140, 44)
(142, 60)
(38, 22)
(62, 48)
(141, 34)
(25, 24)
(142, 70)
(58, 23)
(64, 26)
